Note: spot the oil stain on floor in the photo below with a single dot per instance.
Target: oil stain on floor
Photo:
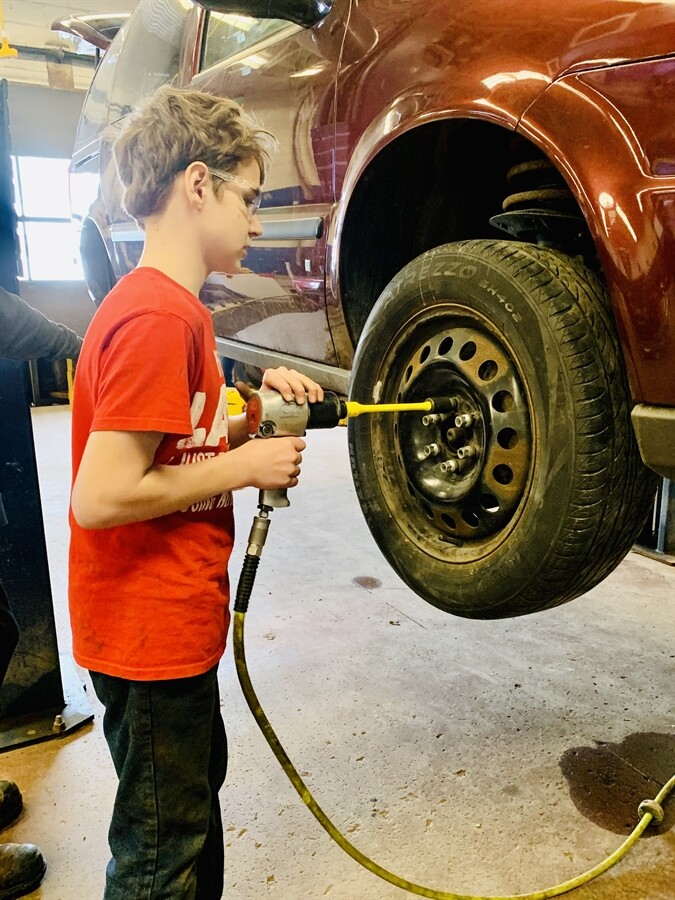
(609, 781)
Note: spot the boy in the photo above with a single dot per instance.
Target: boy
(151, 511)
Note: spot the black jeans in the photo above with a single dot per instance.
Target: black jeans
(168, 744)
(9, 634)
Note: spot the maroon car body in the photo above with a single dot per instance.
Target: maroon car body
(405, 125)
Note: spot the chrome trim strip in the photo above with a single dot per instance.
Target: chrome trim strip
(126, 235)
(329, 377)
(275, 229)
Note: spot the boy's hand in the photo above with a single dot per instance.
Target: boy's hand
(292, 384)
(270, 463)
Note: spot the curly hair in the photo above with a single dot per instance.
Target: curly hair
(174, 128)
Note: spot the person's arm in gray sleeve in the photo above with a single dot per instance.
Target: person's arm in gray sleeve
(26, 334)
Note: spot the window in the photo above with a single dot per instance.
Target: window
(228, 35)
(144, 54)
(149, 53)
(95, 111)
(47, 239)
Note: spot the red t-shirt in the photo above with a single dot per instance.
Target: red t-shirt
(150, 600)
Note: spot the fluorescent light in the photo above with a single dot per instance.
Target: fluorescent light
(305, 73)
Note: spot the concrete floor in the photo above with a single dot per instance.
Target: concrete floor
(473, 757)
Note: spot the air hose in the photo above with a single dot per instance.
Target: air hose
(649, 810)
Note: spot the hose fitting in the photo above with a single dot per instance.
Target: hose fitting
(245, 585)
(258, 533)
(256, 542)
(651, 808)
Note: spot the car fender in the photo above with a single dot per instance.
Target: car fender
(629, 210)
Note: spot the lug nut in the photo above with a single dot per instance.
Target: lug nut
(466, 452)
(432, 450)
(450, 465)
(454, 434)
(465, 420)
(431, 419)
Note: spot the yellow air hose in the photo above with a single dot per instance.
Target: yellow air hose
(648, 809)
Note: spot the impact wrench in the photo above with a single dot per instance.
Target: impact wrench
(269, 415)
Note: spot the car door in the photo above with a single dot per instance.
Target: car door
(284, 75)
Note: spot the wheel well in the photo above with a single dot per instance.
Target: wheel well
(445, 182)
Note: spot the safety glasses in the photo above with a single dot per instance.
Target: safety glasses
(251, 198)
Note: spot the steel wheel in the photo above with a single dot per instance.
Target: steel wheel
(467, 469)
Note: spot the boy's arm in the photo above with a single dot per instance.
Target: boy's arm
(117, 483)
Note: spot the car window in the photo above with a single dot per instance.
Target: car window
(95, 110)
(150, 53)
(228, 35)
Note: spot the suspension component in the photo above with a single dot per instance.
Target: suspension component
(539, 207)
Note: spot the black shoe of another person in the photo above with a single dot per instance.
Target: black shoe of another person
(22, 868)
(11, 802)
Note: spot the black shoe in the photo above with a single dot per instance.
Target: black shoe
(22, 868)
(11, 802)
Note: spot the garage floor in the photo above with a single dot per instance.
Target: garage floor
(474, 757)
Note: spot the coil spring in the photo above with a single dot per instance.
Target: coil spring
(539, 185)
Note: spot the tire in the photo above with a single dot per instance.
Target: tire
(98, 272)
(551, 493)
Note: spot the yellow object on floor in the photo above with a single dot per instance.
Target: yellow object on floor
(235, 402)
(70, 373)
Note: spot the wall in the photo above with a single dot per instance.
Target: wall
(42, 120)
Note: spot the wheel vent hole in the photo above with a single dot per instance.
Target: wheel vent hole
(489, 503)
(488, 370)
(408, 373)
(424, 355)
(449, 521)
(507, 438)
(445, 346)
(503, 401)
(468, 351)
(502, 474)
(470, 518)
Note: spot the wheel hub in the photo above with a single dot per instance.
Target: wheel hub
(467, 468)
